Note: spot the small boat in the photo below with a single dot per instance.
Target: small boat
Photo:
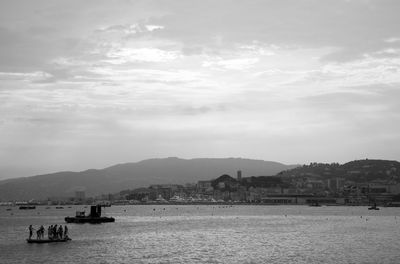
(316, 203)
(59, 207)
(43, 241)
(27, 207)
(374, 207)
(105, 204)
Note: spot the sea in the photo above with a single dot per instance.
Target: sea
(208, 234)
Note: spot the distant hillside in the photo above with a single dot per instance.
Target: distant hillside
(359, 170)
(133, 175)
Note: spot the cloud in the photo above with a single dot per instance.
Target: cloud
(153, 27)
(239, 77)
(366, 71)
(231, 64)
(375, 103)
(123, 55)
(132, 29)
(392, 40)
(31, 76)
(147, 74)
(330, 23)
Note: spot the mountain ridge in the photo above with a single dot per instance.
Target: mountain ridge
(143, 173)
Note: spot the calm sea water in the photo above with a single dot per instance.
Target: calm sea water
(209, 234)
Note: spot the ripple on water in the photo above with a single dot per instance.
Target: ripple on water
(208, 234)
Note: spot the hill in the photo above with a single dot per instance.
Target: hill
(358, 171)
(132, 175)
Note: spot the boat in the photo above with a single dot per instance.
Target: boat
(374, 207)
(59, 207)
(27, 207)
(105, 204)
(42, 241)
(177, 199)
(93, 218)
(160, 199)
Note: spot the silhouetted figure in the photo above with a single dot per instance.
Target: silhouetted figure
(30, 231)
(55, 235)
(60, 232)
(40, 233)
(41, 229)
(49, 232)
(65, 232)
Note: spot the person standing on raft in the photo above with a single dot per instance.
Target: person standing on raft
(65, 232)
(30, 231)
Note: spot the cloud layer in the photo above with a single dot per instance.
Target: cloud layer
(91, 83)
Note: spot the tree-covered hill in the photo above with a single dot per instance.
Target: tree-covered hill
(359, 170)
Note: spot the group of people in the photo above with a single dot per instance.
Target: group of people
(53, 232)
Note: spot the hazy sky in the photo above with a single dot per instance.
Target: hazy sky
(87, 84)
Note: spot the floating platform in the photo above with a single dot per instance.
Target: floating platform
(90, 220)
(42, 241)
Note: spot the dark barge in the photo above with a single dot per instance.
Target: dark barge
(93, 218)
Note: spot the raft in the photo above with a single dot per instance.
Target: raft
(41, 241)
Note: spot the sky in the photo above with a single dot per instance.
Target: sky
(89, 84)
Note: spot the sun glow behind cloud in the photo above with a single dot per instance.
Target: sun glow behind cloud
(265, 80)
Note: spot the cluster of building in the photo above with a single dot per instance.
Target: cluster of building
(313, 184)
(307, 189)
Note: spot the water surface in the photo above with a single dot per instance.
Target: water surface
(209, 234)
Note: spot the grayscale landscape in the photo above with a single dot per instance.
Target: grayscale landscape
(199, 131)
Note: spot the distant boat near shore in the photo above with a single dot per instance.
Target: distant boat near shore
(315, 204)
(27, 207)
(374, 207)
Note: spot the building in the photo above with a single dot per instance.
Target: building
(80, 196)
(204, 187)
(239, 175)
(335, 184)
(394, 188)
(166, 191)
(301, 199)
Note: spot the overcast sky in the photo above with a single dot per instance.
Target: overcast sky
(88, 84)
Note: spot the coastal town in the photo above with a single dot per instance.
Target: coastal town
(307, 188)
(362, 182)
